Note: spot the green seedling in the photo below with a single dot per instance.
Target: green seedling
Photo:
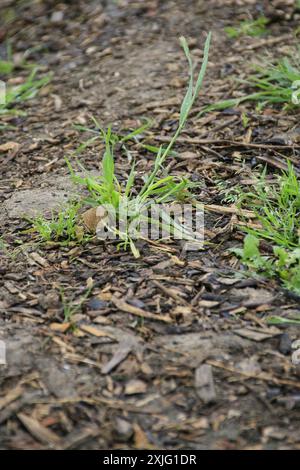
(158, 187)
(18, 94)
(71, 307)
(248, 28)
(6, 67)
(277, 208)
(276, 320)
(9, 65)
(98, 133)
(245, 120)
(282, 264)
(63, 226)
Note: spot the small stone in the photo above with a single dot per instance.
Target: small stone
(96, 304)
(50, 300)
(204, 383)
(285, 344)
(123, 429)
(57, 16)
(134, 387)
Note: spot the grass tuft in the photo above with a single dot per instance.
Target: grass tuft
(275, 83)
(248, 28)
(63, 227)
(20, 93)
(158, 187)
(277, 208)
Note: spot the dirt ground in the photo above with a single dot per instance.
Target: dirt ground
(171, 350)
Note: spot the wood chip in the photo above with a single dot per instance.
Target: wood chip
(134, 387)
(92, 330)
(229, 210)
(257, 334)
(125, 307)
(11, 396)
(208, 303)
(38, 431)
(140, 439)
(39, 260)
(61, 327)
(118, 357)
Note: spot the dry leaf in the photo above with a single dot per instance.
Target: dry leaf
(92, 217)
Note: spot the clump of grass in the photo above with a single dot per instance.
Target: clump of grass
(98, 133)
(275, 83)
(16, 95)
(277, 208)
(63, 227)
(248, 28)
(115, 139)
(282, 264)
(158, 187)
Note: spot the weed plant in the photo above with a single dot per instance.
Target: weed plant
(274, 84)
(158, 187)
(277, 208)
(62, 227)
(248, 28)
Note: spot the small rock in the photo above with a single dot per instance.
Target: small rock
(58, 382)
(96, 304)
(204, 383)
(285, 344)
(123, 429)
(271, 432)
(2, 353)
(249, 366)
(50, 300)
(57, 16)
